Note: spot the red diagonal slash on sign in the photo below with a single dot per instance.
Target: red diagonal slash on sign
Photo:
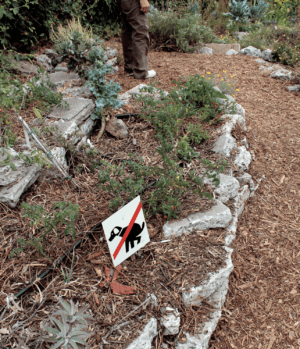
(121, 243)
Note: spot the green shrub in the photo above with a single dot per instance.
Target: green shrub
(195, 134)
(63, 215)
(286, 53)
(169, 31)
(168, 116)
(24, 23)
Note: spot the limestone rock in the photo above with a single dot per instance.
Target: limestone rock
(24, 67)
(109, 53)
(217, 89)
(117, 128)
(216, 280)
(145, 338)
(170, 321)
(14, 183)
(219, 216)
(205, 51)
(260, 61)
(45, 61)
(50, 53)
(60, 78)
(59, 153)
(281, 74)
(267, 55)
(243, 158)
(240, 35)
(251, 51)
(234, 118)
(223, 48)
(224, 144)
(83, 92)
(231, 52)
(135, 91)
(80, 109)
(295, 88)
(111, 62)
(228, 188)
(61, 67)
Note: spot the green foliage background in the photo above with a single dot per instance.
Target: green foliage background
(24, 22)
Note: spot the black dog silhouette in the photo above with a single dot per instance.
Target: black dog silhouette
(133, 235)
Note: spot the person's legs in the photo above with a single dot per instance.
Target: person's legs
(140, 40)
(126, 35)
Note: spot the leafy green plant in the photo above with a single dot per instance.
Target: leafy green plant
(169, 31)
(195, 134)
(259, 11)
(185, 151)
(67, 274)
(62, 217)
(239, 11)
(72, 329)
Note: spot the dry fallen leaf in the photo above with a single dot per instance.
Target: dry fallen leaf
(98, 271)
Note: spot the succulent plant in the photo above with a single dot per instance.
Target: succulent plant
(71, 331)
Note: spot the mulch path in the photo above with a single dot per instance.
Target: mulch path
(261, 309)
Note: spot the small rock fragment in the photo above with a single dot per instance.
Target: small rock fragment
(206, 51)
(117, 128)
(170, 321)
(231, 52)
(45, 61)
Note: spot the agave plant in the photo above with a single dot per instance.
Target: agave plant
(71, 331)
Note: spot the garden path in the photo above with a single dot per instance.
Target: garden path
(262, 307)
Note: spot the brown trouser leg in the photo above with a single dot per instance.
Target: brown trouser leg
(135, 38)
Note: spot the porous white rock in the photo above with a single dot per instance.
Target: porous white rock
(234, 118)
(260, 61)
(217, 89)
(219, 216)
(135, 91)
(267, 55)
(111, 62)
(170, 320)
(239, 204)
(214, 291)
(14, 183)
(224, 144)
(45, 61)
(281, 74)
(231, 52)
(144, 340)
(250, 51)
(215, 281)
(243, 158)
(228, 188)
(295, 88)
(206, 51)
(59, 153)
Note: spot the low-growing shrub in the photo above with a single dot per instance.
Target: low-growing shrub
(286, 53)
(192, 97)
(169, 31)
(195, 134)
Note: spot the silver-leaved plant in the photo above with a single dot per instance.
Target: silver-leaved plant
(71, 331)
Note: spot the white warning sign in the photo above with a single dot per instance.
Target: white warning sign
(126, 231)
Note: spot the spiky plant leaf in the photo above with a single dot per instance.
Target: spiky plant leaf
(51, 329)
(58, 344)
(65, 304)
(73, 344)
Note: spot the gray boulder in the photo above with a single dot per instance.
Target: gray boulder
(24, 67)
(14, 183)
(231, 52)
(281, 74)
(219, 216)
(45, 61)
(250, 51)
(206, 51)
(144, 340)
(224, 144)
(295, 88)
(117, 128)
(267, 55)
